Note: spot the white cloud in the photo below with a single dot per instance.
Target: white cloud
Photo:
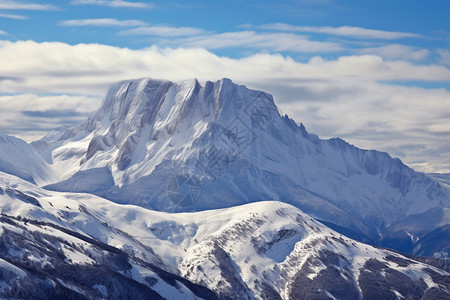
(60, 67)
(103, 22)
(341, 97)
(18, 5)
(21, 113)
(445, 56)
(397, 51)
(3, 32)
(373, 67)
(114, 3)
(346, 31)
(254, 40)
(196, 37)
(165, 31)
(11, 16)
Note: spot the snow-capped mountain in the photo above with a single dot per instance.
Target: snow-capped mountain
(186, 147)
(69, 245)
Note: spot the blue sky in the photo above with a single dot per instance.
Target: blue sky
(376, 73)
(425, 25)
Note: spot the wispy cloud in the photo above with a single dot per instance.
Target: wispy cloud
(397, 51)
(260, 41)
(445, 56)
(11, 16)
(345, 31)
(18, 5)
(107, 22)
(3, 32)
(114, 3)
(197, 37)
(52, 113)
(163, 31)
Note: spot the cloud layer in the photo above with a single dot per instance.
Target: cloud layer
(30, 116)
(397, 51)
(18, 5)
(355, 97)
(346, 31)
(285, 38)
(165, 31)
(89, 68)
(278, 42)
(103, 22)
(12, 16)
(113, 3)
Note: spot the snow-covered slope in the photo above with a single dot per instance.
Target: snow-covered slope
(59, 243)
(54, 246)
(20, 159)
(186, 147)
(442, 178)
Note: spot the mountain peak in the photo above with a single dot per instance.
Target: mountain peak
(130, 99)
(133, 104)
(136, 111)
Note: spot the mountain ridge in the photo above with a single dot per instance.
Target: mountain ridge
(151, 138)
(258, 250)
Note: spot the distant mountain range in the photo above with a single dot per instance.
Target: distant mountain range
(183, 147)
